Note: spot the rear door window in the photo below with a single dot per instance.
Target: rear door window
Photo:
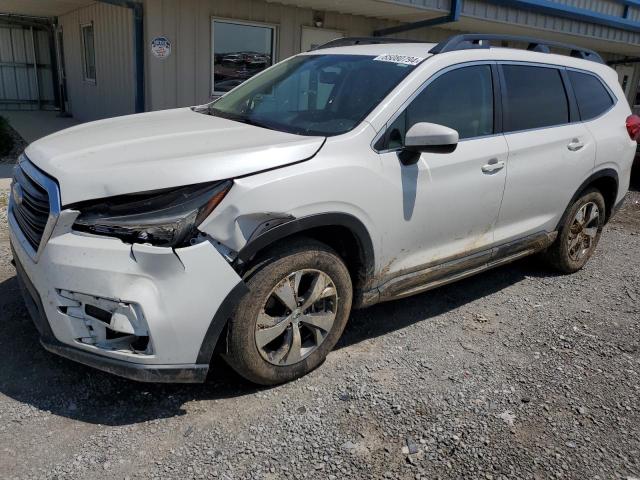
(592, 97)
(535, 98)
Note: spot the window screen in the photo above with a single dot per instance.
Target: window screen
(592, 97)
(535, 98)
(88, 53)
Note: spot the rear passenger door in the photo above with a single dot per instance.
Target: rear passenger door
(550, 151)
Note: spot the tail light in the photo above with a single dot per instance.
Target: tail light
(633, 127)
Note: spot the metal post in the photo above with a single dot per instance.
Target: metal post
(35, 67)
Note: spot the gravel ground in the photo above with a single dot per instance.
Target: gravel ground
(515, 373)
(18, 147)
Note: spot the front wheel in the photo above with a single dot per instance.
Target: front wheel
(298, 304)
(579, 233)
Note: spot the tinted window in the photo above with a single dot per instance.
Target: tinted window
(461, 99)
(535, 98)
(593, 99)
(313, 94)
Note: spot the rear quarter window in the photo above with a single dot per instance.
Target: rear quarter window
(592, 96)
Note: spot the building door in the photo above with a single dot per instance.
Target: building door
(314, 37)
(26, 68)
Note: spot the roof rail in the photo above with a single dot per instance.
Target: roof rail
(350, 41)
(479, 40)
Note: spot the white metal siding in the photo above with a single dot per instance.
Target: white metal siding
(114, 90)
(17, 73)
(185, 77)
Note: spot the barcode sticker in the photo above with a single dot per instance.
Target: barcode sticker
(400, 59)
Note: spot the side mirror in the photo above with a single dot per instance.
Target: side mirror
(426, 137)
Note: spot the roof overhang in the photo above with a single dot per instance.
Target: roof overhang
(382, 9)
(42, 8)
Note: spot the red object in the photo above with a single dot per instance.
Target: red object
(633, 127)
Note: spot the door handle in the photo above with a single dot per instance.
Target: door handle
(575, 145)
(493, 166)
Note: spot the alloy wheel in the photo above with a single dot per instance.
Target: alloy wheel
(583, 231)
(297, 316)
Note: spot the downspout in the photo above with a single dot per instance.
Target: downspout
(452, 16)
(138, 47)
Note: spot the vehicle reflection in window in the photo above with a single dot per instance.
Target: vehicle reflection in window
(239, 52)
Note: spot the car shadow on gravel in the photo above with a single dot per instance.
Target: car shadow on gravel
(387, 317)
(32, 376)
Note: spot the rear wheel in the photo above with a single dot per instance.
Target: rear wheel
(579, 233)
(298, 304)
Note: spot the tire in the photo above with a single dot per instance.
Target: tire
(573, 248)
(300, 267)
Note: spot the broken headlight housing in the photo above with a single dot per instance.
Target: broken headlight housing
(165, 218)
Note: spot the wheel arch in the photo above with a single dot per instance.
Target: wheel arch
(607, 182)
(341, 231)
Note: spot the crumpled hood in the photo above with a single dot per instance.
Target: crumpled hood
(164, 149)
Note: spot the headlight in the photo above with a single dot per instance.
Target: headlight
(165, 218)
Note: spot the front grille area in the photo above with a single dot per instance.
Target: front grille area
(31, 207)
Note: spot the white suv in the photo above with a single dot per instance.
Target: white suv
(363, 171)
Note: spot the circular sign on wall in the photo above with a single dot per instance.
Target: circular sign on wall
(161, 47)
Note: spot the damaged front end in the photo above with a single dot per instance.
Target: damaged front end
(164, 218)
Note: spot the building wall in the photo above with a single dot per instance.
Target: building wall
(185, 77)
(113, 93)
(22, 87)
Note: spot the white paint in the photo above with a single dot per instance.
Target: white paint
(445, 204)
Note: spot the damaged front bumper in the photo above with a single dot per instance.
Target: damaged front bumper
(141, 312)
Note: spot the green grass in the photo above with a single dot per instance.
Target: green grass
(6, 140)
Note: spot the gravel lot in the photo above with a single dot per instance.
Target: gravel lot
(518, 372)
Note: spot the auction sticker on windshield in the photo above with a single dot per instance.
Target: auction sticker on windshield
(401, 59)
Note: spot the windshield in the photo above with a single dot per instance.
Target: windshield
(313, 94)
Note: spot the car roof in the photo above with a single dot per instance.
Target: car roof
(405, 48)
(489, 54)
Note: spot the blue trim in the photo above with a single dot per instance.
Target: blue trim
(572, 13)
(453, 16)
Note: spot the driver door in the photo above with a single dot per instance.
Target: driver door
(448, 202)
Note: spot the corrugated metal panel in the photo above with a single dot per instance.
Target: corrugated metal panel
(486, 11)
(184, 78)
(634, 14)
(607, 7)
(18, 86)
(113, 93)
(429, 4)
